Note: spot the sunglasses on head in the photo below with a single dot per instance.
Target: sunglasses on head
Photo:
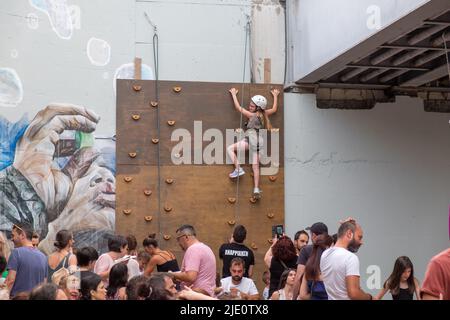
(15, 226)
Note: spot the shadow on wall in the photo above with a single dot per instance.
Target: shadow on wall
(56, 175)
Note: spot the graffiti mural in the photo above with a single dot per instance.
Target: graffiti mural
(11, 91)
(98, 52)
(59, 15)
(56, 174)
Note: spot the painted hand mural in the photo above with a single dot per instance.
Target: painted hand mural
(78, 195)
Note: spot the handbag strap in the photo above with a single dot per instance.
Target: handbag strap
(284, 264)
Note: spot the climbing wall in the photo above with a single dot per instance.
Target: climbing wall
(194, 193)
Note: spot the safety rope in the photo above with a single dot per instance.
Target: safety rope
(247, 36)
(158, 127)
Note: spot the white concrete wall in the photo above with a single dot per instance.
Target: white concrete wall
(322, 30)
(388, 167)
(268, 40)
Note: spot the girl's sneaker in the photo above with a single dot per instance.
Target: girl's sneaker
(237, 173)
(257, 193)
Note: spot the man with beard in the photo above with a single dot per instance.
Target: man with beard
(301, 239)
(237, 285)
(340, 266)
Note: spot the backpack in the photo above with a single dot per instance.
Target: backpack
(61, 272)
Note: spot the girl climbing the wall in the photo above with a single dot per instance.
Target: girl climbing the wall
(258, 118)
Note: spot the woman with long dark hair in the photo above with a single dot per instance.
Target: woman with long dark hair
(312, 287)
(286, 286)
(118, 278)
(401, 283)
(280, 256)
(92, 288)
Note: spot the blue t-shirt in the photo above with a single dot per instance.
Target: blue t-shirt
(31, 268)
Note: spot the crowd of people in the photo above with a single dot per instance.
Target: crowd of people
(325, 269)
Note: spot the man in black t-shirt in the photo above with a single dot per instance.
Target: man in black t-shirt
(316, 229)
(236, 248)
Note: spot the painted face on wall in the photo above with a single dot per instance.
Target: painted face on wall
(91, 204)
(93, 199)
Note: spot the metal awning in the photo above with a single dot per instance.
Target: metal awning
(407, 57)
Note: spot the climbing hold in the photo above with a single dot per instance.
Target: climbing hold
(127, 179)
(231, 222)
(272, 178)
(253, 199)
(127, 211)
(169, 181)
(166, 237)
(167, 208)
(155, 141)
(154, 104)
(270, 241)
(148, 218)
(137, 87)
(136, 117)
(231, 200)
(171, 122)
(132, 154)
(270, 215)
(254, 246)
(147, 192)
(177, 89)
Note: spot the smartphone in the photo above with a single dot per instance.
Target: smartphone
(277, 231)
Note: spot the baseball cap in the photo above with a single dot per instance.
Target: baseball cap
(318, 228)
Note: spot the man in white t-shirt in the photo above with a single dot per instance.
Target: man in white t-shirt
(237, 285)
(340, 266)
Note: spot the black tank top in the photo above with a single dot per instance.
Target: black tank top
(169, 265)
(403, 294)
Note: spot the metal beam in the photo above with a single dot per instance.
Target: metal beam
(393, 46)
(386, 67)
(444, 23)
(398, 28)
(352, 85)
(429, 76)
(421, 89)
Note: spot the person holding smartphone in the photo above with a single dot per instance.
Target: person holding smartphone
(280, 256)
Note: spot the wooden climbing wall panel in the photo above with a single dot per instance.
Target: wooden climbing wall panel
(199, 194)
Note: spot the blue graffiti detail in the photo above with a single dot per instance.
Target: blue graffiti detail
(41, 4)
(10, 133)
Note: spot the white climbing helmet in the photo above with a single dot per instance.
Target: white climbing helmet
(260, 101)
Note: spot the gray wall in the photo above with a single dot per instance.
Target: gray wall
(388, 167)
(322, 30)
